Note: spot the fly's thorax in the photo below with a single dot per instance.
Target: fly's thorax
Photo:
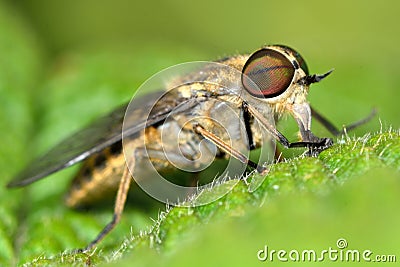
(237, 62)
(215, 78)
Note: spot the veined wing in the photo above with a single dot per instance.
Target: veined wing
(102, 133)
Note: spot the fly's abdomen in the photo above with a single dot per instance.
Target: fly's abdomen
(98, 177)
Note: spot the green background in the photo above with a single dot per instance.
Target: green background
(63, 63)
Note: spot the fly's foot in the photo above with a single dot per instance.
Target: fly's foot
(316, 148)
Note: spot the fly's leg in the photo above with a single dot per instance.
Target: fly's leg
(139, 153)
(227, 148)
(246, 119)
(332, 128)
(118, 207)
(314, 144)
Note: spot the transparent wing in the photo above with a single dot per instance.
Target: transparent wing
(95, 137)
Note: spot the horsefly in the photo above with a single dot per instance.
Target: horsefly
(203, 111)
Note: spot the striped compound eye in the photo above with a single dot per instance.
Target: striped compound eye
(299, 58)
(267, 73)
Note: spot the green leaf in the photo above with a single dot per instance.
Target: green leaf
(20, 64)
(304, 203)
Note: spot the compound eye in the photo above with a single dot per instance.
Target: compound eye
(267, 73)
(299, 58)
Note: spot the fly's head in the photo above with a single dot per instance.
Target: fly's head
(278, 76)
